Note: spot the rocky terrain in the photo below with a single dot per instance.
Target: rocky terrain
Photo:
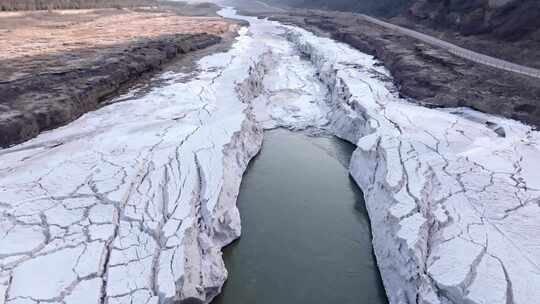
(58, 65)
(133, 202)
(507, 29)
(509, 20)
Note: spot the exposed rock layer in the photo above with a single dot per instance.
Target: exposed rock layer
(504, 19)
(378, 7)
(506, 29)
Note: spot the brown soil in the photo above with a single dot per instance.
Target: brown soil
(30, 38)
(55, 66)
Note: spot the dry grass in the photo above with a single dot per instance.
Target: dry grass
(28, 38)
(19, 5)
(28, 34)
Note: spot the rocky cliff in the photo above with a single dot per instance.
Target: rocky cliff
(504, 19)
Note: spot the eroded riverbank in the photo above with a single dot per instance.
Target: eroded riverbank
(57, 65)
(134, 202)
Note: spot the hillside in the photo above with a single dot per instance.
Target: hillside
(504, 19)
(507, 29)
(375, 7)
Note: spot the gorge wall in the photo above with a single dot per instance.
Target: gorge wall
(504, 19)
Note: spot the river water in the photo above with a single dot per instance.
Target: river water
(305, 230)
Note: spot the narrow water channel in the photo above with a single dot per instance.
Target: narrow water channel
(305, 230)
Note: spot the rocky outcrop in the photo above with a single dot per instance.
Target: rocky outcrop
(133, 202)
(504, 29)
(40, 102)
(505, 19)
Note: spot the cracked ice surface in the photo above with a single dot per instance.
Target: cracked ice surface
(133, 202)
(453, 195)
(454, 205)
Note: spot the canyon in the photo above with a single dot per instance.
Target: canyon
(133, 202)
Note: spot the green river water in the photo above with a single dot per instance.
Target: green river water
(305, 230)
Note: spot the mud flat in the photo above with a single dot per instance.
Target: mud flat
(58, 65)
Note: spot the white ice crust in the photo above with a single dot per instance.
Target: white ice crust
(132, 203)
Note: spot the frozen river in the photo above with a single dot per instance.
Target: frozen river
(134, 202)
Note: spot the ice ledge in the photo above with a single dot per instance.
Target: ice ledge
(453, 195)
(131, 203)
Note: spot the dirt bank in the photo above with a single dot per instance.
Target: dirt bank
(425, 74)
(508, 29)
(521, 49)
(55, 66)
